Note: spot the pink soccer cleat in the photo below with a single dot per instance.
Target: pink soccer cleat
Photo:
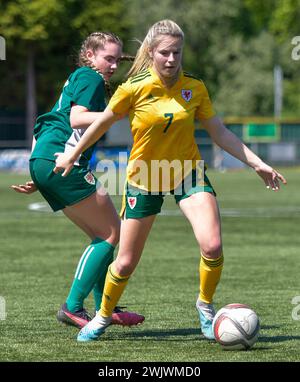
(78, 319)
(124, 318)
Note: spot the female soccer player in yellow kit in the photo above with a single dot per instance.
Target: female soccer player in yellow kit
(163, 102)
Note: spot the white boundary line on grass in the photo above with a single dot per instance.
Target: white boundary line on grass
(256, 212)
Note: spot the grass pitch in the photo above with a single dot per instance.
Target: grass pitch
(40, 251)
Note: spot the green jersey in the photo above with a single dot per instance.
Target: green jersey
(53, 132)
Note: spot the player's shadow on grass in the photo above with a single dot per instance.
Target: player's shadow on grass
(268, 327)
(275, 338)
(162, 334)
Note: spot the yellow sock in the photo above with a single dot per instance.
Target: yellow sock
(210, 273)
(113, 289)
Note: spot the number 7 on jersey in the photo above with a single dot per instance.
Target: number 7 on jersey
(170, 116)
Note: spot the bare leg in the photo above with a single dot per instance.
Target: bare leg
(202, 211)
(96, 216)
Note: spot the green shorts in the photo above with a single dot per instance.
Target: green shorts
(139, 204)
(60, 191)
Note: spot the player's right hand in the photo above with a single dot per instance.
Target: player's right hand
(63, 164)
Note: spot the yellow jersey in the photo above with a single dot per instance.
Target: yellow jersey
(162, 122)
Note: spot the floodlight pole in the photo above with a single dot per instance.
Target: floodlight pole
(31, 108)
(277, 92)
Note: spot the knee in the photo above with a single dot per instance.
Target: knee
(124, 266)
(212, 250)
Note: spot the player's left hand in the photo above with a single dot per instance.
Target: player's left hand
(271, 177)
(27, 188)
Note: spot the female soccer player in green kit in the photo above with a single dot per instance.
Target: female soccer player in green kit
(80, 196)
(163, 102)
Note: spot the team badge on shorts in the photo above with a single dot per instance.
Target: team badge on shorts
(131, 201)
(89, 177)
(186, 94)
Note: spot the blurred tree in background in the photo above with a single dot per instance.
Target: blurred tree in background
(43, 40)
(233, 45)
(281, 19)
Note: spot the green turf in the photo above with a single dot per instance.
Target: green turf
(40, 250)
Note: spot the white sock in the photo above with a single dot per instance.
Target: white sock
(206, 309)
(99, 322)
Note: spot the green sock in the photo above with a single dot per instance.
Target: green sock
(92, 265)
(99, 286)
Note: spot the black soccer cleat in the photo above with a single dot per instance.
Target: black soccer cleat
(78, 319)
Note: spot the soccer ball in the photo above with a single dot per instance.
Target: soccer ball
(236, 327)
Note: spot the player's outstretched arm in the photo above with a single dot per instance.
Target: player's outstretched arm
(234, 146)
